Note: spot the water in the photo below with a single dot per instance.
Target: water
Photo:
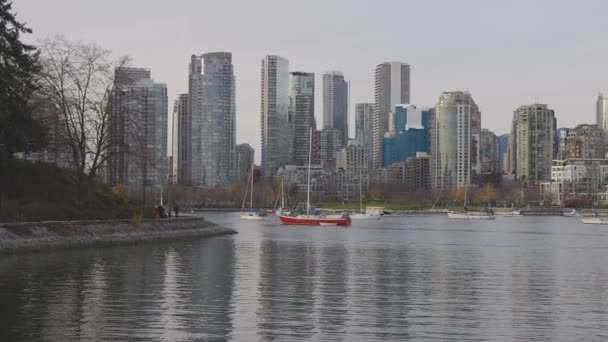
(421, 278)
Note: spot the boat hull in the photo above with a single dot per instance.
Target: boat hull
(594, 220)
(310, 220)
(252, 217)
(465, 216)
(364, 217)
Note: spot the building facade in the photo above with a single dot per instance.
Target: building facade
(455, 138)
(410, 134)
(335, 103)
(533, 142)
(274, 114)
(212, 109)
(244, 161)
(138, 131)
(392, 87)
(583, 142)
(363, 128)
(576, 180)
(353, 163)
(302, 102)
(329, 140)
(182, 140)
(503, 146)
(602, 112)
(490, 152)
(411, 175)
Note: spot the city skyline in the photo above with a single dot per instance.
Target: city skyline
(568, 81)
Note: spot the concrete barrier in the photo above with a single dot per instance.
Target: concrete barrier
(50, 235)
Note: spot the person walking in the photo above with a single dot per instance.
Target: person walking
(176, 209)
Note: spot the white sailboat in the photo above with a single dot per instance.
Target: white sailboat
(251, 214)
(361, 215)
(470, 215)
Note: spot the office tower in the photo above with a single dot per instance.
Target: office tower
(302, 103)
(363, 128)
(410, 134)
(602, 111)
(244, 161)
(455, 134)
(562, 136)
(335, 103)
(533, 143)
(583, 142)
(490, 154)
(392, 87)
(138, 130)
(503, 146)
(212, 109)
(182, 141)
(329, 140)
(274, 114)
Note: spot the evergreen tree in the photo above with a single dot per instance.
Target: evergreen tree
(19, 131)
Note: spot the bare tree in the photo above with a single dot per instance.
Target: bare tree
(78, 79)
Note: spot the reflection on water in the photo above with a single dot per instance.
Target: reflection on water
(415, 278)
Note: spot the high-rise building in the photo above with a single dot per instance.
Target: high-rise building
(503, 146)
(562, 136)
(302, 99)
(352, 163)
(584, 142)
(410, 134)
(212, 109)
(490, 155)
(392, 87)
(244, 161)
(274, 114)
(182, 142)
(138, 130)
(335, 103)
(455, 135)
(602, 112)
(330, 140)
(533, 143)
(363, 128)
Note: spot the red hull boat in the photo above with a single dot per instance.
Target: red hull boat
(313, 220)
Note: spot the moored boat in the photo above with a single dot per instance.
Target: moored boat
(508, 213)
(364, 216)
(252, 214)
(471, 215)
(314, 220)
(572, 213)
(595, 220)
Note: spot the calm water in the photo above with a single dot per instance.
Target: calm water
(416, 278)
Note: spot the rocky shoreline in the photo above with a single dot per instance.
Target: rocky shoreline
(51, 235)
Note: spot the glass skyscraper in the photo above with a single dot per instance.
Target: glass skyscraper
(274, 114)
(410, 134)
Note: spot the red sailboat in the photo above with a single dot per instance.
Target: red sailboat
(309, 219)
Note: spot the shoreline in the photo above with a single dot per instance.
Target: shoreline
(55, 235)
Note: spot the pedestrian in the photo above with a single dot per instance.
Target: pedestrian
(176, 211)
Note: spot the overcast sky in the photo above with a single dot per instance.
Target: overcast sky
(506, 53)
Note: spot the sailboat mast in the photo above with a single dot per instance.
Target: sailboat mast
(360, 193)
(282, 194)
(251, 196)
(309, 161)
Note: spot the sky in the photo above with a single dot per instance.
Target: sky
(506, 53)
